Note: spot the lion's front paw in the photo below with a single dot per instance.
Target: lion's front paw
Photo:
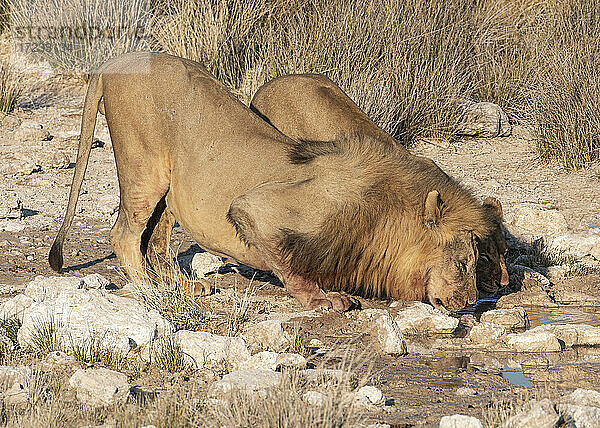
(337, 301)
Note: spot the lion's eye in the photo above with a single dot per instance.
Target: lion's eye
(485, 257)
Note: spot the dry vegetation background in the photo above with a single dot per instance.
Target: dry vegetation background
(406, 62)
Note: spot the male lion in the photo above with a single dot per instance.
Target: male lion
(312, 107)
(344, 215)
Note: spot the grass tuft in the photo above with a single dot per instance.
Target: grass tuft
(11, 88)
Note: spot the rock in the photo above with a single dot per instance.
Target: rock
(369, 395)
(584, 397)
(581, 416)
(487, 333)
(100, 387)
(573, 334)
(465, 391)
(50, 287)
(210, 350)
(30, 124)
(540, 414)
(386, 329)
(268, 336)
(460, 421)
(255, 380)
(483, 120)
(290, 360)
(527, 298)
(79, 315)
(527, 278)
(11, 205)
(533, 341)
(314, 398)
(15, 307)
(56, 160)
(323, 376)
(579, 244)
(575, 297)
(265, 360)
(509, 318)
(534, 220)
(32, 134)
(423, 318)
(205, 263)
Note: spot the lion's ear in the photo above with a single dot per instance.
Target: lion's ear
(495, 206)
(433, 209)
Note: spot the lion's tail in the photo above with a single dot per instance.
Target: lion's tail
(88, 123)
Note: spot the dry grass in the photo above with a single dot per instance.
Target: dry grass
(83, 34)
(11, 88)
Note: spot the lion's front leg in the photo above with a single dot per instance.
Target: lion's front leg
(311, 296)
(259, 217)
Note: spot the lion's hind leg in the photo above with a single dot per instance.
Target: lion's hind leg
(261, 216)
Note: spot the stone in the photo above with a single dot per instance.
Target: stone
(205, 263)
(314, 398)
(32, 134)
(581, 416)
(513, 318)
(386, 329)
(79, 315)
(535, 220)
(575, 297)
(55, 160)
(108, 204)
(460, 421)
(11, 205)
(267, 335)
(207, 350)
(528, 298)
(15, 307)
(290, 360)
(573, 334)
(465, 391)
(369, 395)
(539, 414)
(533, 341)
(100, 387)
(487, 333)
(584, 397)
(423, 318)
(578, 244)
(483, 120)
(263, 360)
(253, 380)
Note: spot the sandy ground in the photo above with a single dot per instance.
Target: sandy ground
(420, 387)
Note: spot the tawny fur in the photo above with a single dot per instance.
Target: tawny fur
(378, 243)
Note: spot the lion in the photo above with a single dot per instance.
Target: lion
(312, 107)
(328, 218)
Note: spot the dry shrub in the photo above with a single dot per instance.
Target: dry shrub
(11, 88)
(566, 98)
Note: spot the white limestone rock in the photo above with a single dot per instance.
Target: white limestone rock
(15, 307)
(386, 329)
(535, 221)
(290, 360)
(487, 333)
(265, 360)
(267, 335)
(100, 387)
(514, 318)
(583, 397)
(423, 318)
(581, 416)
(369, 396)
(207, 350)
(483, 119)
(314, 398)
(460, 421)
(205, 263)
(573, 334)
(79, 314)
(539, 414)
(535, 340)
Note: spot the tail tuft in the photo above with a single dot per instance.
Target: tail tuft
(55, 258)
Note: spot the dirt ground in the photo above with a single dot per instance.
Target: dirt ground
(420, 387)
